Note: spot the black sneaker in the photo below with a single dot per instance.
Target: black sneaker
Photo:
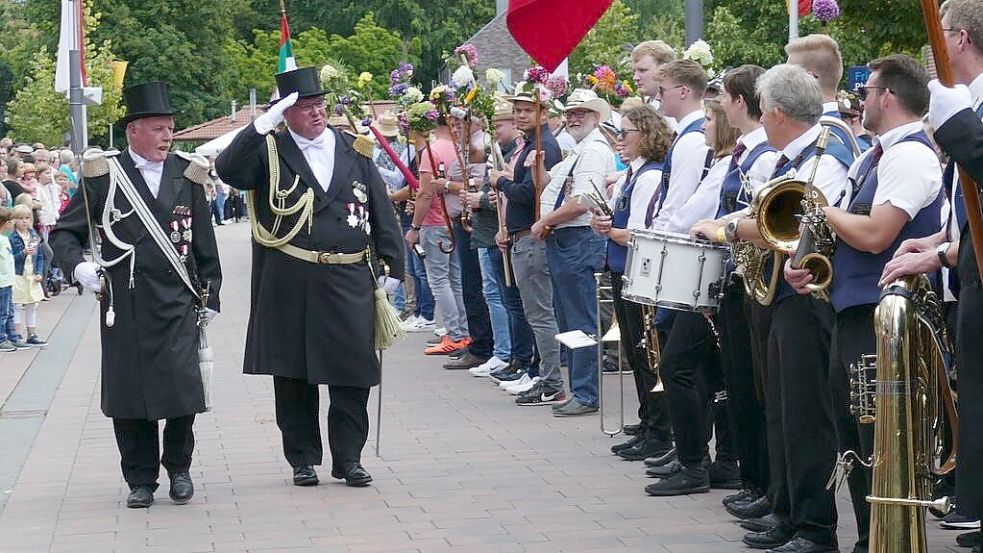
(35, 342)
(645, 448)
(958, 521)
(540, 395)
(969, 539)
(725, 475)
(626, 445)
(508, 372)
(687, 481)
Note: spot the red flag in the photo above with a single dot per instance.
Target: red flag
(805, 7)
(549, 30)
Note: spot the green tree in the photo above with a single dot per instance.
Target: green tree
(608, 43)
(374, 49)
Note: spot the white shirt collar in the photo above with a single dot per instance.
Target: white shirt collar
(689, 118)
(831, 107)
(753, 139)
(893, 136)
(795, 147)
(142, 163)
(976, 90)
(637, 163)
(594, 135)
(304, 143)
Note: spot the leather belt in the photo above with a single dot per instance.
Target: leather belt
(514, 236)
(323, 258)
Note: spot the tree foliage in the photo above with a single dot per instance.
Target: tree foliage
(608, 43)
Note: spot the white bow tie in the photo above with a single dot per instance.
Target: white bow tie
(144, 164)
(306, 143)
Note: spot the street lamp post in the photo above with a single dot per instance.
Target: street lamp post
(694, 21)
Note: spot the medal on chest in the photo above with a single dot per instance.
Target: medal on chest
(180, 230)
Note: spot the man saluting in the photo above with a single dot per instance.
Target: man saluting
(320, 216)
(158, 254)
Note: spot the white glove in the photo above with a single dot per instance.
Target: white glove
(946, 102)
(269, 120)
(87, 274)
(210, 314)
(388, 284)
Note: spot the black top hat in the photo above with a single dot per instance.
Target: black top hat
(146, 100)
(304, 81)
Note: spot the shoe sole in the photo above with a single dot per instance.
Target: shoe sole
(306, 482)
(539, 402)
(670, 493)
(180, 501)
(752, 526)
(577, 414)
(762, 546)
(355, 483)
(960, 525)
(640, 457)
(727, 485)
(139, 505)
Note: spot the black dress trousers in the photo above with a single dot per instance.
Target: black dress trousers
(853, 337)
(689, 354)
(746, 411)
(297, 417)
(652, 409)
(969, 363)
(139, 448)
(801, 437)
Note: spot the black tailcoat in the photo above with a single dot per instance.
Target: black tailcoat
(308, 321)
(150, 355)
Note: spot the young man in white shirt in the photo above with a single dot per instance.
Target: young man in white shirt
(896, 196)
(646, 59)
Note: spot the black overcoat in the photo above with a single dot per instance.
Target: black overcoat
(309, 321)
(150, 355)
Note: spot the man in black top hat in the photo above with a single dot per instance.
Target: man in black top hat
(321, 215)
(150, 335)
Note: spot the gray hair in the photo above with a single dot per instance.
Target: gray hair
(966, 15)
(65, 157)
(793, 91)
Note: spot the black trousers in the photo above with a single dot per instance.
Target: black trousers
(297, 414)
(801, 437)
(475, 307)
(139, 448)
(745, 409)
(689, 355)
(969, 362)
(652, 409)
(853, 337)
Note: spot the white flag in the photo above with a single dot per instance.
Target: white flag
(67, 39)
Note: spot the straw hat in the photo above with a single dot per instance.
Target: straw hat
(387, 125)
(503, 108)
(584, 98)
(525, 92)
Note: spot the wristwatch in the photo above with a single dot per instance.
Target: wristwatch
(942, 250)
(730, 230)
(416, 228)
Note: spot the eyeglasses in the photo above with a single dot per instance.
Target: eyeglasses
(314, 106)
(944, 30)
(624, 132)
(663, 90)
(862, 91)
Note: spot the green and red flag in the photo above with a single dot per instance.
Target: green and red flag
(287, 61)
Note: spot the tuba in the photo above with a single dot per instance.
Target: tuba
(904, 391)
(650, 341)
(789, 216)
(837, 123)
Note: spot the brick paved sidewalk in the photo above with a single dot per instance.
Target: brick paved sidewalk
(462, 470)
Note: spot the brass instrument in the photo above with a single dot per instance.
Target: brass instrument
(837, 123)
(651, 344)
(911, 404)
(790, 219)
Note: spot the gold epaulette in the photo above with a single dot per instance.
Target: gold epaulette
(361, 143)
(197, 170)
(94, 162)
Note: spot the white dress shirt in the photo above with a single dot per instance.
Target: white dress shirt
(704, 202)
(646, 185)
(830, 176)
(319, 154)
(831, 107)
(909, 175)
(762, 168)
(689, 155)
(594, 160)
(151, 171)
(566, 142)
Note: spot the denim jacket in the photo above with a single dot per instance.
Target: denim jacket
(19, 248)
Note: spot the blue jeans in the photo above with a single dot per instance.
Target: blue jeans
(421, 288)
(574, 255)
(7, 313)
(496, 309)
(520, 333)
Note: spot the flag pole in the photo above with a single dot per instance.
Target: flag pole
(793, 20)
(75, 108)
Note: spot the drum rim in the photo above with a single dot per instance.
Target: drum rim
(678, 238)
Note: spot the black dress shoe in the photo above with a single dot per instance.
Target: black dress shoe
(645, 448)
(688, 480)
(802, 545)
(776, 537)
(724, 475)
(631, 429)
(762, 524)
(664, 471)
(305, 475)
(748, 511)
(665, 459)
(465, 361)
(626, 444)
(969, 539)
(352, 473)
(182, 488)
(140, 497)
(743, 496)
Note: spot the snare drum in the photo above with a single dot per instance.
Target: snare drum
(674, 271)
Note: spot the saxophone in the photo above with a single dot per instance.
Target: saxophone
(904, 391)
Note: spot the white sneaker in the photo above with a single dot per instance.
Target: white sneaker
(525, 383)
(410, 323)
(505, 385)
(440, 332)
(421, 325)
(484, 369)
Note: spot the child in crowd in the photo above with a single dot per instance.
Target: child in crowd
(65, 191)
(8, 338)
(29, 269)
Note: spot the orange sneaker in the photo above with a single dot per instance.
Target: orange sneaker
(446, 346)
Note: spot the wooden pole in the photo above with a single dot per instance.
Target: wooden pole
(971, 192)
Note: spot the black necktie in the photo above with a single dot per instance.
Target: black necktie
(735, 157)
